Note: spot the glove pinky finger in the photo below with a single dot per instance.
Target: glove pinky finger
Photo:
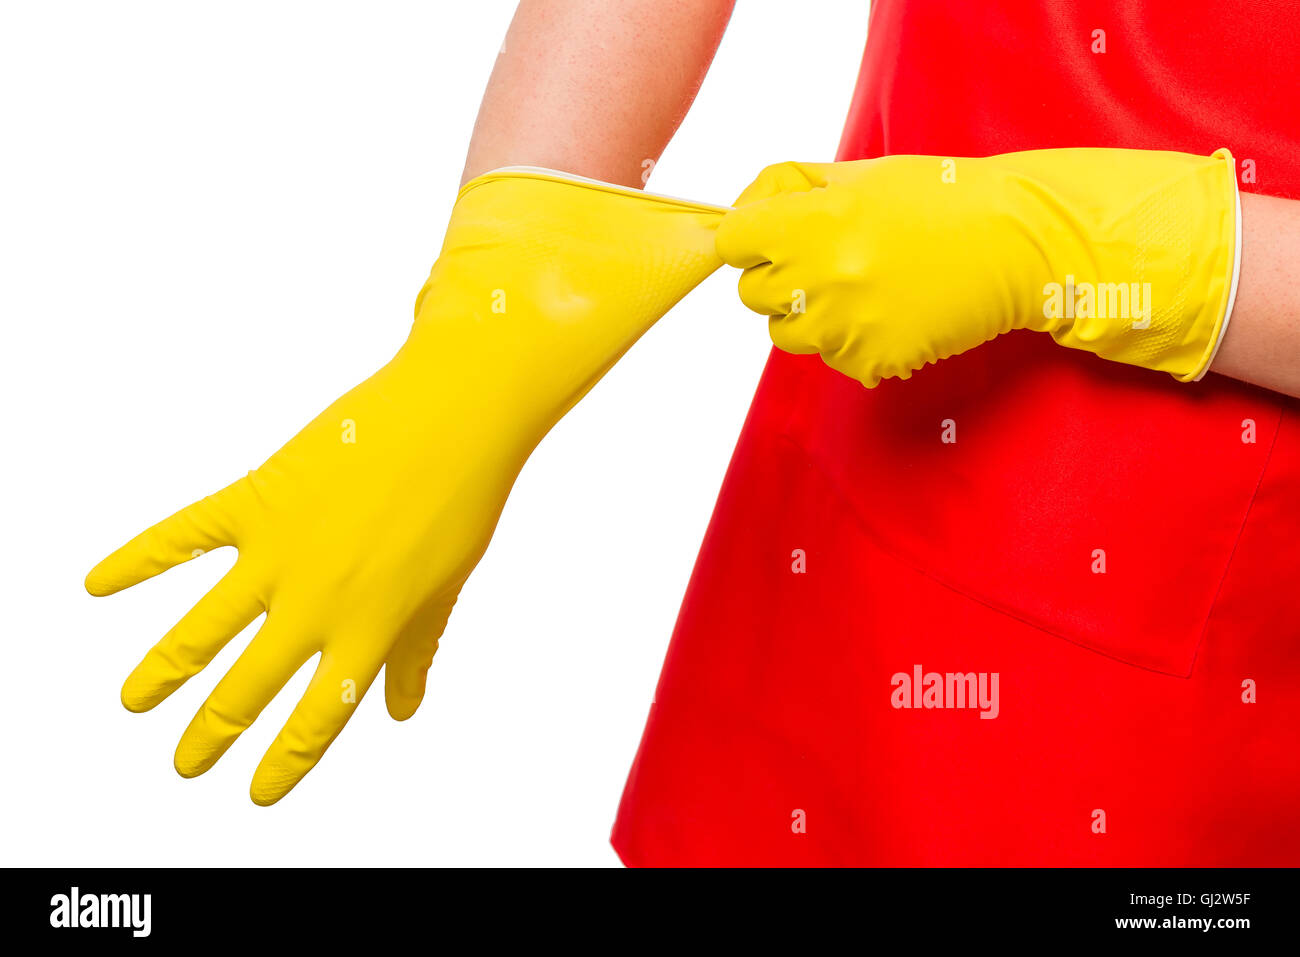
(206, 524)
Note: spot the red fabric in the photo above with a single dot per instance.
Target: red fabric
(1120, 692)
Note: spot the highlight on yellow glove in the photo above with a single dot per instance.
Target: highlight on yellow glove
(885, 265)
(356, 536)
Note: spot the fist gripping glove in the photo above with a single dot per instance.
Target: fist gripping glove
(885, 265)
(356, 537)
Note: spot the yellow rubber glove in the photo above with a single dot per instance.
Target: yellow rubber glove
(885, 265)
(356, 537)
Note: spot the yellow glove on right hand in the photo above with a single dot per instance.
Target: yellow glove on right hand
(355, 538)
(885, 265)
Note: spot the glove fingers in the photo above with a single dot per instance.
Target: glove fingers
(790, 335)
(768, 291)
(183, 652)
(739, 239)
(341, 680)
(207, 524)
(408, 663)
(783, 178)
(257, 676)
(751, 235)
(747, 233)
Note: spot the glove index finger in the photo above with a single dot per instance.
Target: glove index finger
(743, 237)
(758, 233)
(747, 235)
(206, 524)
(783, 178)
(341, 680)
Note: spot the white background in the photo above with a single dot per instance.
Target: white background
(214, 219)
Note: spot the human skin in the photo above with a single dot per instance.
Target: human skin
(593, 87)
(1262, 344)
(598, 89)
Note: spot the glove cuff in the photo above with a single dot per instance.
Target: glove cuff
(1219, 310)
(1163, 269)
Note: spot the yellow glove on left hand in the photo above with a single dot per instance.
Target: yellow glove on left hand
(355, 538)
(885, 265)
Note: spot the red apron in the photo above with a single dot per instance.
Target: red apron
(1122, 551)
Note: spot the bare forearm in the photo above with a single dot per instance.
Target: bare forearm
(593, 87)
(1262, 344)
